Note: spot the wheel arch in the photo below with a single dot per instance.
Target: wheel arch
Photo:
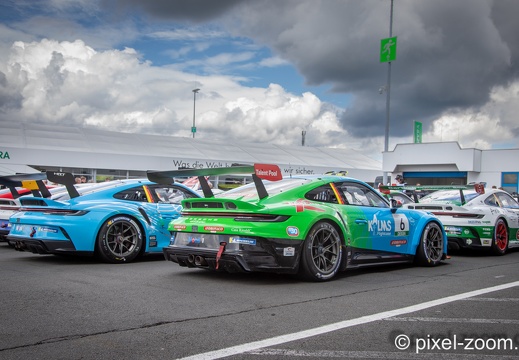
(502, 217)
(336, 223)
(137, 220)
(418, 235)
(343, 231)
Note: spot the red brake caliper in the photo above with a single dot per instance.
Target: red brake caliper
(220, 252)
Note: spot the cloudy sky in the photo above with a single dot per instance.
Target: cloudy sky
(266, 69)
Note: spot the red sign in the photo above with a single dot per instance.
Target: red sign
(480, 188)
(268, 172)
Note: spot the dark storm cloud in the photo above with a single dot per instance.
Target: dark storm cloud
(451, 54)
(194, 10)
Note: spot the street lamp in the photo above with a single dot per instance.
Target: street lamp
(193, 129)
(387, 89)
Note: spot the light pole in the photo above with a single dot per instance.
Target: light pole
(193, 129)
(388, 94)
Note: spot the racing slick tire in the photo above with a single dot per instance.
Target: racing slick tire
(500, 238)
(322, 253)
(119, 240)
(430, 249)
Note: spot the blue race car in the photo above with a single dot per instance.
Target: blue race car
(117, 221)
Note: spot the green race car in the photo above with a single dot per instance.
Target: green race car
(312, 225)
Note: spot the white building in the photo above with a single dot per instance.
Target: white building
(96, 154)
(444, 163)
(100, 154)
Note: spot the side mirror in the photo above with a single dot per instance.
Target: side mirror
(395, 203)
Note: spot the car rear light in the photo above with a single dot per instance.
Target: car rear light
(459, 215)
(239, 216)
(47, 211)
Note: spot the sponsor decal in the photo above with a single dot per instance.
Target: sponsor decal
(378, 227)
(200, 220)
(453, 230)
(213, 228)
(179, 227)
(46, 229)
(33, 231)
(401, 225)
(289, 251)
(466, 232)
(398, 242)
(303, 204)
(292, 231)
(4, 155)
(486, 242)
(517, 235)
(153, 240)
(398, 225)
(194, 228)
(247, 230)
(240, 240)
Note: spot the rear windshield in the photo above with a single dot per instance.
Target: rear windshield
(449, 196)
(273, 187)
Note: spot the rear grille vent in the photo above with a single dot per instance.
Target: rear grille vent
(33, 202)
(207, 205)
(425, 207)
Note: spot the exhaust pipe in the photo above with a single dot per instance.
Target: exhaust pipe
(200, 261)
(20, 246)
(191, 258)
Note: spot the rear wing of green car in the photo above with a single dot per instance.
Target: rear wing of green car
(258, 172)
(413, 189)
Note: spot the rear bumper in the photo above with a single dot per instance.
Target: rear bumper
(5, 227)
(456, 243)
(269, 255)
(45, 247)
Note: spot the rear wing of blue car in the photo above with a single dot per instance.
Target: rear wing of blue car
(413, 189)
(64, 178)
(258, 172)
(33, 182)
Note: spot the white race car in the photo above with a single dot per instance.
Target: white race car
(473, 217)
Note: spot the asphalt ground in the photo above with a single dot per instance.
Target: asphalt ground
(78, 308)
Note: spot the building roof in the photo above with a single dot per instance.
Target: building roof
(59, 143)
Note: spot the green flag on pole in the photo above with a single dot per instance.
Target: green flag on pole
(417, 132)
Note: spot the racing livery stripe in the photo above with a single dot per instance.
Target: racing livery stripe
(337, 196)
(148, 194)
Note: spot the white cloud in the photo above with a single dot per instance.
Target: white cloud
(186, 34)
(273, 62)
(73, 84)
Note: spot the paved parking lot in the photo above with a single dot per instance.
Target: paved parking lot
(76, 308)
